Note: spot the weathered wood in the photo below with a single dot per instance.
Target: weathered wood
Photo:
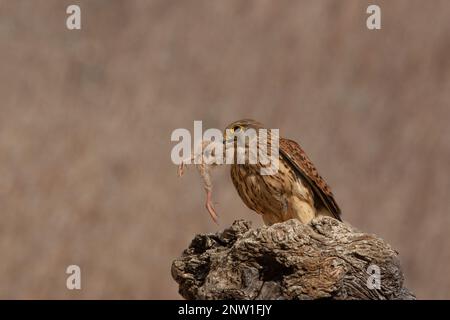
(324, 259)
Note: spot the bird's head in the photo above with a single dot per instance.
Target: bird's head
(241, 127)
(242, 137)
(251, 143)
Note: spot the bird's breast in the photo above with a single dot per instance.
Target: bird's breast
(263, 193)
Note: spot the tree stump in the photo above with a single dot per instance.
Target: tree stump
(325, 259)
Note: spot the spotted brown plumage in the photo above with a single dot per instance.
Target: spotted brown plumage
(295, 191)
(298, 158)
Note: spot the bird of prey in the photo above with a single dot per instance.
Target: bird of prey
(296, 191)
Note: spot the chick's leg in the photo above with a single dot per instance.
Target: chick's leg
(210, 207)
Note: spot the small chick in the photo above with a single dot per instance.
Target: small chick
(204, 167)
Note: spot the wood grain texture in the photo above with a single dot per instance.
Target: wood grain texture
(324, 259)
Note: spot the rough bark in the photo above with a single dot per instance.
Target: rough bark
(324, 259)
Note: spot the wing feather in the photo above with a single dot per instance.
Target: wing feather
(297, 157)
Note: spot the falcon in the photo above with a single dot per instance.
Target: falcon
(295, 191)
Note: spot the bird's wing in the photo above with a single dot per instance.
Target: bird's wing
(298, 158)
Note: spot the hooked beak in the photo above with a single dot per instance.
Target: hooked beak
(229, 138)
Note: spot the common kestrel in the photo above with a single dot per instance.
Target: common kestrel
(295, 191)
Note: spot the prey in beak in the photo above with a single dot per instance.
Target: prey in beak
(204, 167)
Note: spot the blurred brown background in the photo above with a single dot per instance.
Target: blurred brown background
(86, 118)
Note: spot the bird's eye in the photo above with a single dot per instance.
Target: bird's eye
(237, 128)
